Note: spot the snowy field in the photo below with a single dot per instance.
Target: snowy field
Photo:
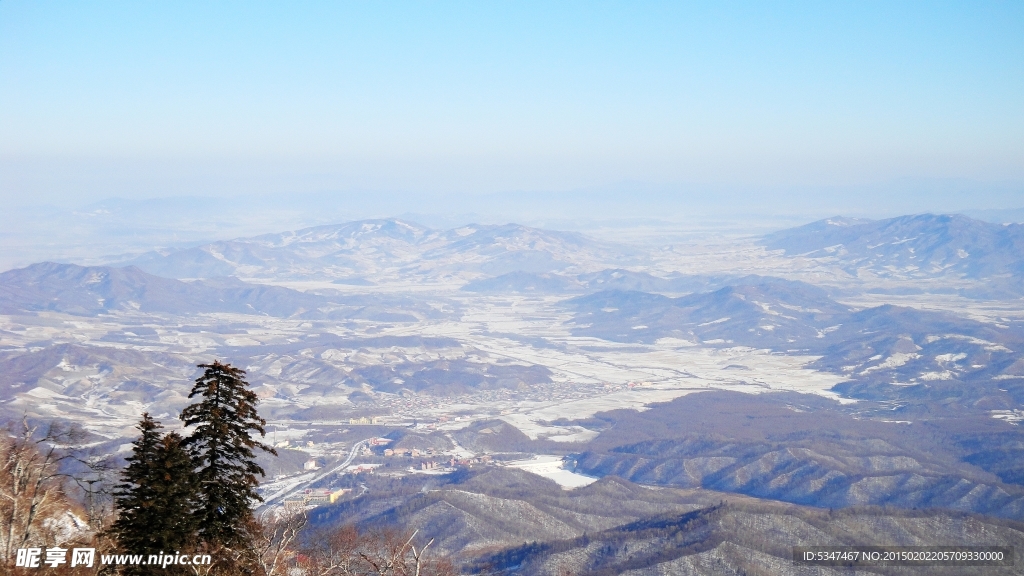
(157, 353)
(589, 375)
(550, 467)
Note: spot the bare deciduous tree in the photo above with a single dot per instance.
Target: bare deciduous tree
(33, 503)
(273, 538)
(387, 554)
(331, 553)
(346, 552)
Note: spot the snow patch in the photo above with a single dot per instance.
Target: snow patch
(894, 361)
(550, 467)
(719, 321)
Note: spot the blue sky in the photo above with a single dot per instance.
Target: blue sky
(805, 101)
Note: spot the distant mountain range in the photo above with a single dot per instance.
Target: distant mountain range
(524, 283)
(92, 290)
(604, 280)
(518, 259)
(355, 249)
(912, 246)
(757, 311)
(919, 443)
(921, 351)
(910, 351)
(986, 260)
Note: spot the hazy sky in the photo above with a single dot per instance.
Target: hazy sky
(152, 99)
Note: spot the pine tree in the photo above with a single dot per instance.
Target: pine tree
(135, 496)
(155, 499)
(222, 447)
(176, 489)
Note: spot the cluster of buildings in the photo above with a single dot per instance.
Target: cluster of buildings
(453, 462)
(413, 452)
(484, 459)
(362, 469)
(315, 498)
(366, 421)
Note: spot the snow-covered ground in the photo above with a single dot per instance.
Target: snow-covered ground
(550, 467)
(520, 330)
(589, 375)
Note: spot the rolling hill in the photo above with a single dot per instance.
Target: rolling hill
(354, 250)
(90, 290)
(503, 521)
(918, 246)
(93, 290)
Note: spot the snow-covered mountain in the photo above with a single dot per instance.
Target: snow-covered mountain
(94, 290)
(352, 251)
(760, 312)
(923, 245)
(886, 352)
(514, 340)
(91, 290)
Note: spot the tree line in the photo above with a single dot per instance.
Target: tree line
(194, 495)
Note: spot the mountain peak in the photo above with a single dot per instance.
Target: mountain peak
(913, 246)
